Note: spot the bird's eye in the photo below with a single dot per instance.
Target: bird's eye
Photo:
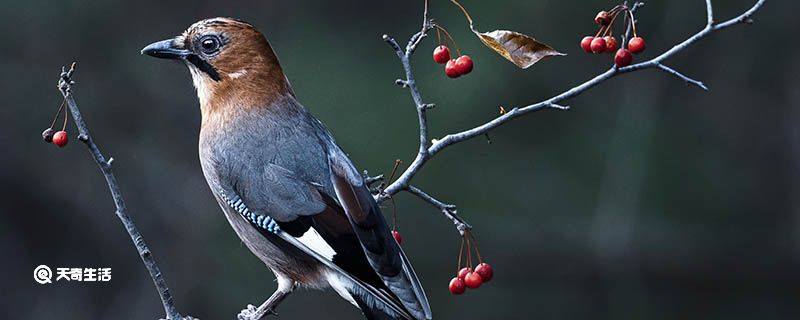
(209, 45)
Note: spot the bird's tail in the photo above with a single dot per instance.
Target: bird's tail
(377, 304)
(372, 312)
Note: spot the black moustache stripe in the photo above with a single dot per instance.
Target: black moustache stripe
(204, 66)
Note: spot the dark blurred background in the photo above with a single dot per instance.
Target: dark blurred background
(650, 199)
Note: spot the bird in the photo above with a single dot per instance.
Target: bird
(288, 190)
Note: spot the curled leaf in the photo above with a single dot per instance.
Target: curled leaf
(518, 48)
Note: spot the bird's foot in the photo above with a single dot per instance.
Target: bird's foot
(253, 313)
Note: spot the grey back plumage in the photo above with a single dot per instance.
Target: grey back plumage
(282, 161)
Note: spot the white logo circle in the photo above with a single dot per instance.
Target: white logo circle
(42, 274)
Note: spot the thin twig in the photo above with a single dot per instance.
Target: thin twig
(422, 108)
(449, 210)
(372, 180)
(65, 86)
(682, 77)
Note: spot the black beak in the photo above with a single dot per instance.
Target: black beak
(165, 50)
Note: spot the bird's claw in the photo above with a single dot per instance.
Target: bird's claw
(253, 313)
(248, 313)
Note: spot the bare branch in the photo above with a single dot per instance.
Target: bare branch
(681, 76)
(65, 86)
(422, 107)
(557, 106)
(369, 180)
(449, 210)
(426, 151)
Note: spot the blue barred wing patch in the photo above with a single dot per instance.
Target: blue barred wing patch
(259, 220)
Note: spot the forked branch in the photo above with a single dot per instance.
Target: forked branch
(429, 148)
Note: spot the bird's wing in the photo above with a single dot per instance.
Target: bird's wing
(267, 226)
(361, 248)
(385, 256)
(280, 193)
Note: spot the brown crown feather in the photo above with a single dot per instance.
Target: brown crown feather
(250, 73)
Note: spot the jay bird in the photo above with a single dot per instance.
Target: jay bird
(288, 190)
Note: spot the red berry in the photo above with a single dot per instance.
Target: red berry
(464, 64)
(623, 58)
(636, 45)
(47, 135)
(463, 272)
(441, 54)
(611, 43)
(457, 286)
(586, 44)
(485, 271)
(602, 18)
(451, 70)
(598, 45)
(397, 237)
(473, 280)
(60, 138)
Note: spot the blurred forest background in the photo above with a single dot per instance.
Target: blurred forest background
(649, 199)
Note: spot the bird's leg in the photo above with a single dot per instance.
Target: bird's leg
(285, 287)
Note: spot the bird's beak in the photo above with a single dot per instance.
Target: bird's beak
(165, 49)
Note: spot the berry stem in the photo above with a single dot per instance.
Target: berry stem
(475, 241)
(394, 213)
(394, 205)
(469, 253)
(633, 22)
(66, 117)
(397, 164)
(609, 31)
(58, 113)
(448, 36)
(460, 254)
(599, 31)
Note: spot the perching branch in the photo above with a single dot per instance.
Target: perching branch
(65, 86)
(429, 148)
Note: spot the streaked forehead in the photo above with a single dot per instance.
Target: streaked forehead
(215, 23)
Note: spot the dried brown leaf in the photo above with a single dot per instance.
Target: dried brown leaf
(518, 48)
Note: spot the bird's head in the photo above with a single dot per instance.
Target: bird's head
(231, 63)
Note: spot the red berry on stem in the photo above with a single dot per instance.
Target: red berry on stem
(463, 272)
(602, 18)
(397, 237)
(451, 70)
(586, 44)
(457, 286)
(47, 135)
(60, 139)
(485, 271)
(473, 280)
(598, 45)
(611, 43)
(441, 54)
(464, 64)
(623, 58)
(636, 45)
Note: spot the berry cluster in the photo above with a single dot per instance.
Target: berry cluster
(467, 277)
(604, 40)
(60, 137)
(453, 68)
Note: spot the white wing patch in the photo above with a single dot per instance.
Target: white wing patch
(315, 242)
